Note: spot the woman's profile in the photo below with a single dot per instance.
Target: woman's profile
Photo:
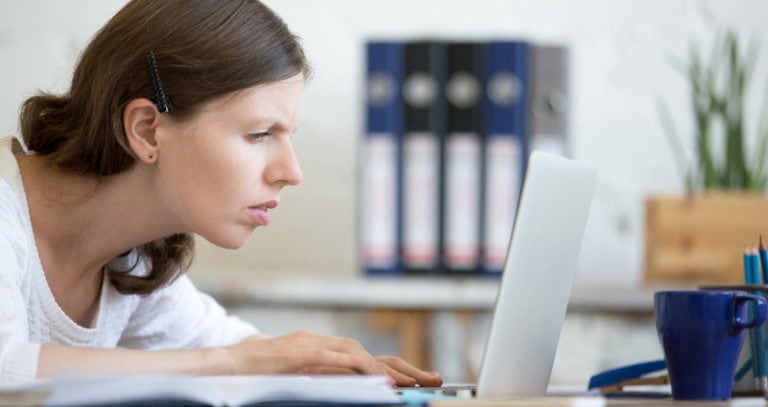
(178, 121)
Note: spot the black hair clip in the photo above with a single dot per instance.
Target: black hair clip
(161, 99)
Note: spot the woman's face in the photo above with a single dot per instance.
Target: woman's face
(221, 172)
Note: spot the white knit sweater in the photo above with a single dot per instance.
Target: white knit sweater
(176, 316)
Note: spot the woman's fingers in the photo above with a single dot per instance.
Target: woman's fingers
(326, 370)
(400, 379)
(422, 378)
(397, 378)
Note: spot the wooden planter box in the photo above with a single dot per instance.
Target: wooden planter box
(700, 238)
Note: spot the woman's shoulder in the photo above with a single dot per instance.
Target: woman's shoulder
(9, 167)
(16, 239)
(12, 199)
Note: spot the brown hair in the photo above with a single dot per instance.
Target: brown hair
(204, 49)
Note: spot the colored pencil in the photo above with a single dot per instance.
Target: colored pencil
(763, 260)
(754, 345)
(761, 379)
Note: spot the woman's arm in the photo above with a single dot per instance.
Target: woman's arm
(56, 358)
(296, 353)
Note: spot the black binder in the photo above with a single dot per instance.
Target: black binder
(422, 156)
(462, 158)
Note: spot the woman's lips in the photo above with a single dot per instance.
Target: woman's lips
(261, 212)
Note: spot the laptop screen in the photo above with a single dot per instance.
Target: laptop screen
(538, 277)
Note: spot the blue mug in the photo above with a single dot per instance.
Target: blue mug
(701, 333)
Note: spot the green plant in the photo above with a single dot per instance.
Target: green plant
(718, 95)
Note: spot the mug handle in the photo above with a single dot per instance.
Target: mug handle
(740, 302)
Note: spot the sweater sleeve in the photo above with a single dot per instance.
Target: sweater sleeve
(179, 316)
(18, 356)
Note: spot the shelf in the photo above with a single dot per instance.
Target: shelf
(407, 293)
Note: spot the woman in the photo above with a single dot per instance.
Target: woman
(178, 121)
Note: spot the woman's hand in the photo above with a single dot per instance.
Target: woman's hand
(401, 372)
(310, 353)
(300, 352)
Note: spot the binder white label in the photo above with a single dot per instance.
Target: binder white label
(503, 183)
(462, 200)
(463, 89)
(504, 88)
(421, 154)
(382, 88)
(420, 89)
(379, 217)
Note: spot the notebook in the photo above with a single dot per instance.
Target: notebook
(537, 279)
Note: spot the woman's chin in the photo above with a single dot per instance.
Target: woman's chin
(232, 242)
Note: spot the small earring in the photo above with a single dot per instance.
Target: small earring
(151, 156)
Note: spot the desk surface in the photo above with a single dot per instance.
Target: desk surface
(595, 402)
(406, 293)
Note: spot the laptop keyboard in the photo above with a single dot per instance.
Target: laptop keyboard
(466, 391)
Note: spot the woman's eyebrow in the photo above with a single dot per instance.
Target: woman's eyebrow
(277, 124)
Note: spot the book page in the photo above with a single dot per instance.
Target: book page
(98, 390)
(240, 390)
(211, 390)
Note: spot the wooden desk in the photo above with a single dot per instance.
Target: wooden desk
(595, 402)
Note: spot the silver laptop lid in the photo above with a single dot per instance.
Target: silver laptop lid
(538, 276)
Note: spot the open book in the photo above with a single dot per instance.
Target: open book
(211, 390)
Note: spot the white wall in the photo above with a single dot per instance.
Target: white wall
(620, 67)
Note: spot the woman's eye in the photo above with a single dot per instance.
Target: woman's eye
(259, 136)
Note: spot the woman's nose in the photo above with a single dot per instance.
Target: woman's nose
(284, 167)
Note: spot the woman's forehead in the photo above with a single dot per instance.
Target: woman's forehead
(278, 101)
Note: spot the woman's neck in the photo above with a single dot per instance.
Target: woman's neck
(83, 222)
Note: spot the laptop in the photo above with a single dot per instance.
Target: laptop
(537, 279)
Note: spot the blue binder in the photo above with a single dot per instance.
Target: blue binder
(380, 187)
(505, 152)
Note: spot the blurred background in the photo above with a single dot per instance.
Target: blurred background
(304, 271)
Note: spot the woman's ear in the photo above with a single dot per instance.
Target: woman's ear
(140, 121)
